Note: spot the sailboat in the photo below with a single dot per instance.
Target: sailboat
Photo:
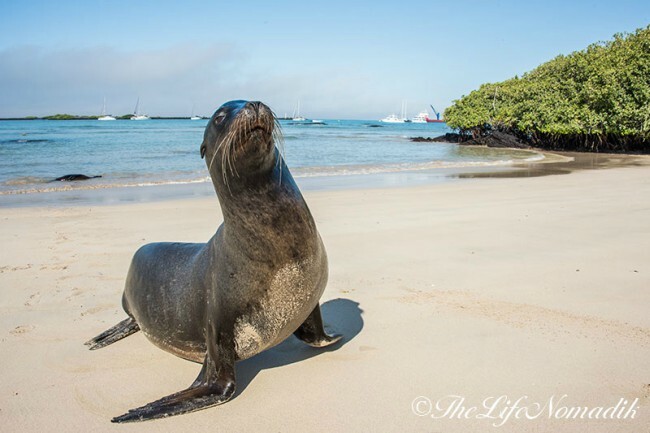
(193, 117)
(404, 116)
(296, 114)
(136, 112)
(394, 119)
(104, 116)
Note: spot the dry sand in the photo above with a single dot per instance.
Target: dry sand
(479, 288)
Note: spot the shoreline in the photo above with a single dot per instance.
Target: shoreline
(553, 163)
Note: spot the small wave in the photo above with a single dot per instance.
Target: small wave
(27, 180)
(24, 140)
(86, 186)
(535, 158)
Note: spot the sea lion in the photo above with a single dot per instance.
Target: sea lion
(253, 284)
(73, 178)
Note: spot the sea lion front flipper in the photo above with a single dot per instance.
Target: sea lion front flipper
(214, 385)
(313, 332)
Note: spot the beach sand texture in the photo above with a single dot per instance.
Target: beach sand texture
(479, 288)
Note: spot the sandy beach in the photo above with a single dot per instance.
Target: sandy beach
(536, 289)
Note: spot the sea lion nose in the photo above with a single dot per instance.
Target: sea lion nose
(255, 106)
(258, 114)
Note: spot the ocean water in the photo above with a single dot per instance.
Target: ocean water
(152, 152)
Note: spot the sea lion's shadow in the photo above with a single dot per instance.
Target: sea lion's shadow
(341, 316)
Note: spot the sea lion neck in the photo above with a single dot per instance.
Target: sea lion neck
(262, 193)
(259, 176)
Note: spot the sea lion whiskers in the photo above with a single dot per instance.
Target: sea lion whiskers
(278, 139)
(239, 132)
(227, 157)
(223, 164)
(216, 152)
(225, 147)
(244, 132)
(277, 136)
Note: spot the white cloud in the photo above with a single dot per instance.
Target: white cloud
(171, 81)
(37, 81)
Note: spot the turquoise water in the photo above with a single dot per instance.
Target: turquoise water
(129, 153)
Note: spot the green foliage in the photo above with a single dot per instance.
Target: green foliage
(60, 117)
(599, 97)
(69, 117)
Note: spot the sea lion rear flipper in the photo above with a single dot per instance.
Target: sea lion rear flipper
(313, 332)
(214, 385)
(123, 329)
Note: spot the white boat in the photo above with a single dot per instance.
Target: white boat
(193, 116)
(105, 116)
(136, 112)
(392, 119)
(296, 114)
(421, 117)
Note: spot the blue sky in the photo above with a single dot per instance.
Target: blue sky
(341, 59)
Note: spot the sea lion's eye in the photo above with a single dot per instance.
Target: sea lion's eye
(219, 118)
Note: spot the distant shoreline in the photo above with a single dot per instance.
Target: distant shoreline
(508, 140)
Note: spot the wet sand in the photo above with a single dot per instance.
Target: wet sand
(564, 163)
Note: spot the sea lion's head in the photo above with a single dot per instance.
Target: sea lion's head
(239, 140)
